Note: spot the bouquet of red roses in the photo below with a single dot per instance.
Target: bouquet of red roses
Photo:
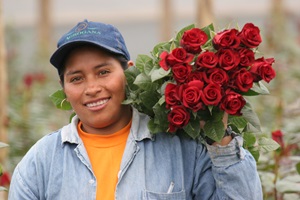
(197, 76)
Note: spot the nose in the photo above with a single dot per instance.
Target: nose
(92, 88)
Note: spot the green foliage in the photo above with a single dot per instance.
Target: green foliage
(59, 100)
(257, 89)
(267, 144)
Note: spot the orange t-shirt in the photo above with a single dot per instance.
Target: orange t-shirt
(105, 153)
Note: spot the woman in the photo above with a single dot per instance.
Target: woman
(107, 151)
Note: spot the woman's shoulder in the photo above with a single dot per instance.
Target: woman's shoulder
(46, 143)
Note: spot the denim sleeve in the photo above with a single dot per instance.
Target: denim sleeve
(234, 173)
(24, 182)
(18, 188)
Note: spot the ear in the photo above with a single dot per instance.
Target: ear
(130, 63)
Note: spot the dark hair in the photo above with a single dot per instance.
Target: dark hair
(122, 60)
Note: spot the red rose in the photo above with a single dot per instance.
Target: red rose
(250, 35)
(195, 75)
(243, 80)
(28, 80)
(163, 60)
(181, 72)
(193, 39)
(278, 137)
(262, 69)
(216, 75)
(228, 59)
(211, 94)
(179, 55)
(226, 39)
(232, 103)
(246, 57)
(207, 59)
(190, 95)
(171, 95)
(178, 117)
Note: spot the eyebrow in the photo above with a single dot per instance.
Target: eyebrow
(96, 67)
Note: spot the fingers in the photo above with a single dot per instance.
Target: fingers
(202, 123)
(225, 119)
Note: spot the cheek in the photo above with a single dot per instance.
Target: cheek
(118, 86)
(72, 93)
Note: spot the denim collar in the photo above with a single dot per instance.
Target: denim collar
(139, 129)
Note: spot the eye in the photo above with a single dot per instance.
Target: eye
(103, 72)
(75, 79)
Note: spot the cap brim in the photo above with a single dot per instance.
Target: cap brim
(58, 57)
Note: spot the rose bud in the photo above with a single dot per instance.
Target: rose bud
(190, 95)
(242, 80)
(228, 59)
(178, 117)
(232, 103)
(226, 39)
(212, 94)
(250, 35)
(216, 75)
(193, 39)
(181, 72)
(246, 57)
(179, 55)
(171, 95)
(262, 69)
(207, 59)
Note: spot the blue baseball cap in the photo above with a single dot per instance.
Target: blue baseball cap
(102, 35)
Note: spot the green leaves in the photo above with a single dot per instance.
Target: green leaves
(193, 128)
(159, 73)
(159, 122)
(251, 117)
(250, 143)
(262, 144)
(59, 100)
(144, 63)
(267, 144)
(143, 81)
(214, 127)
(214, 130)
(257, 89)
(209, 30)
(249, 140)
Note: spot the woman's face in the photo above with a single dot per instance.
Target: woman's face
(94, 83)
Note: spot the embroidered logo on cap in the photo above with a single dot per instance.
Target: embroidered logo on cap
(81, 26)
(82, 29)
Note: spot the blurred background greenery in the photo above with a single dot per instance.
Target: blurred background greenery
(29, 30)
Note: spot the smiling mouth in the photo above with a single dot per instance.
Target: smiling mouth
(98, 103)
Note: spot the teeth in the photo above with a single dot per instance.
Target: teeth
(97, 103)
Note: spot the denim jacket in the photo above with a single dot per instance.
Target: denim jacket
(153, 167)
